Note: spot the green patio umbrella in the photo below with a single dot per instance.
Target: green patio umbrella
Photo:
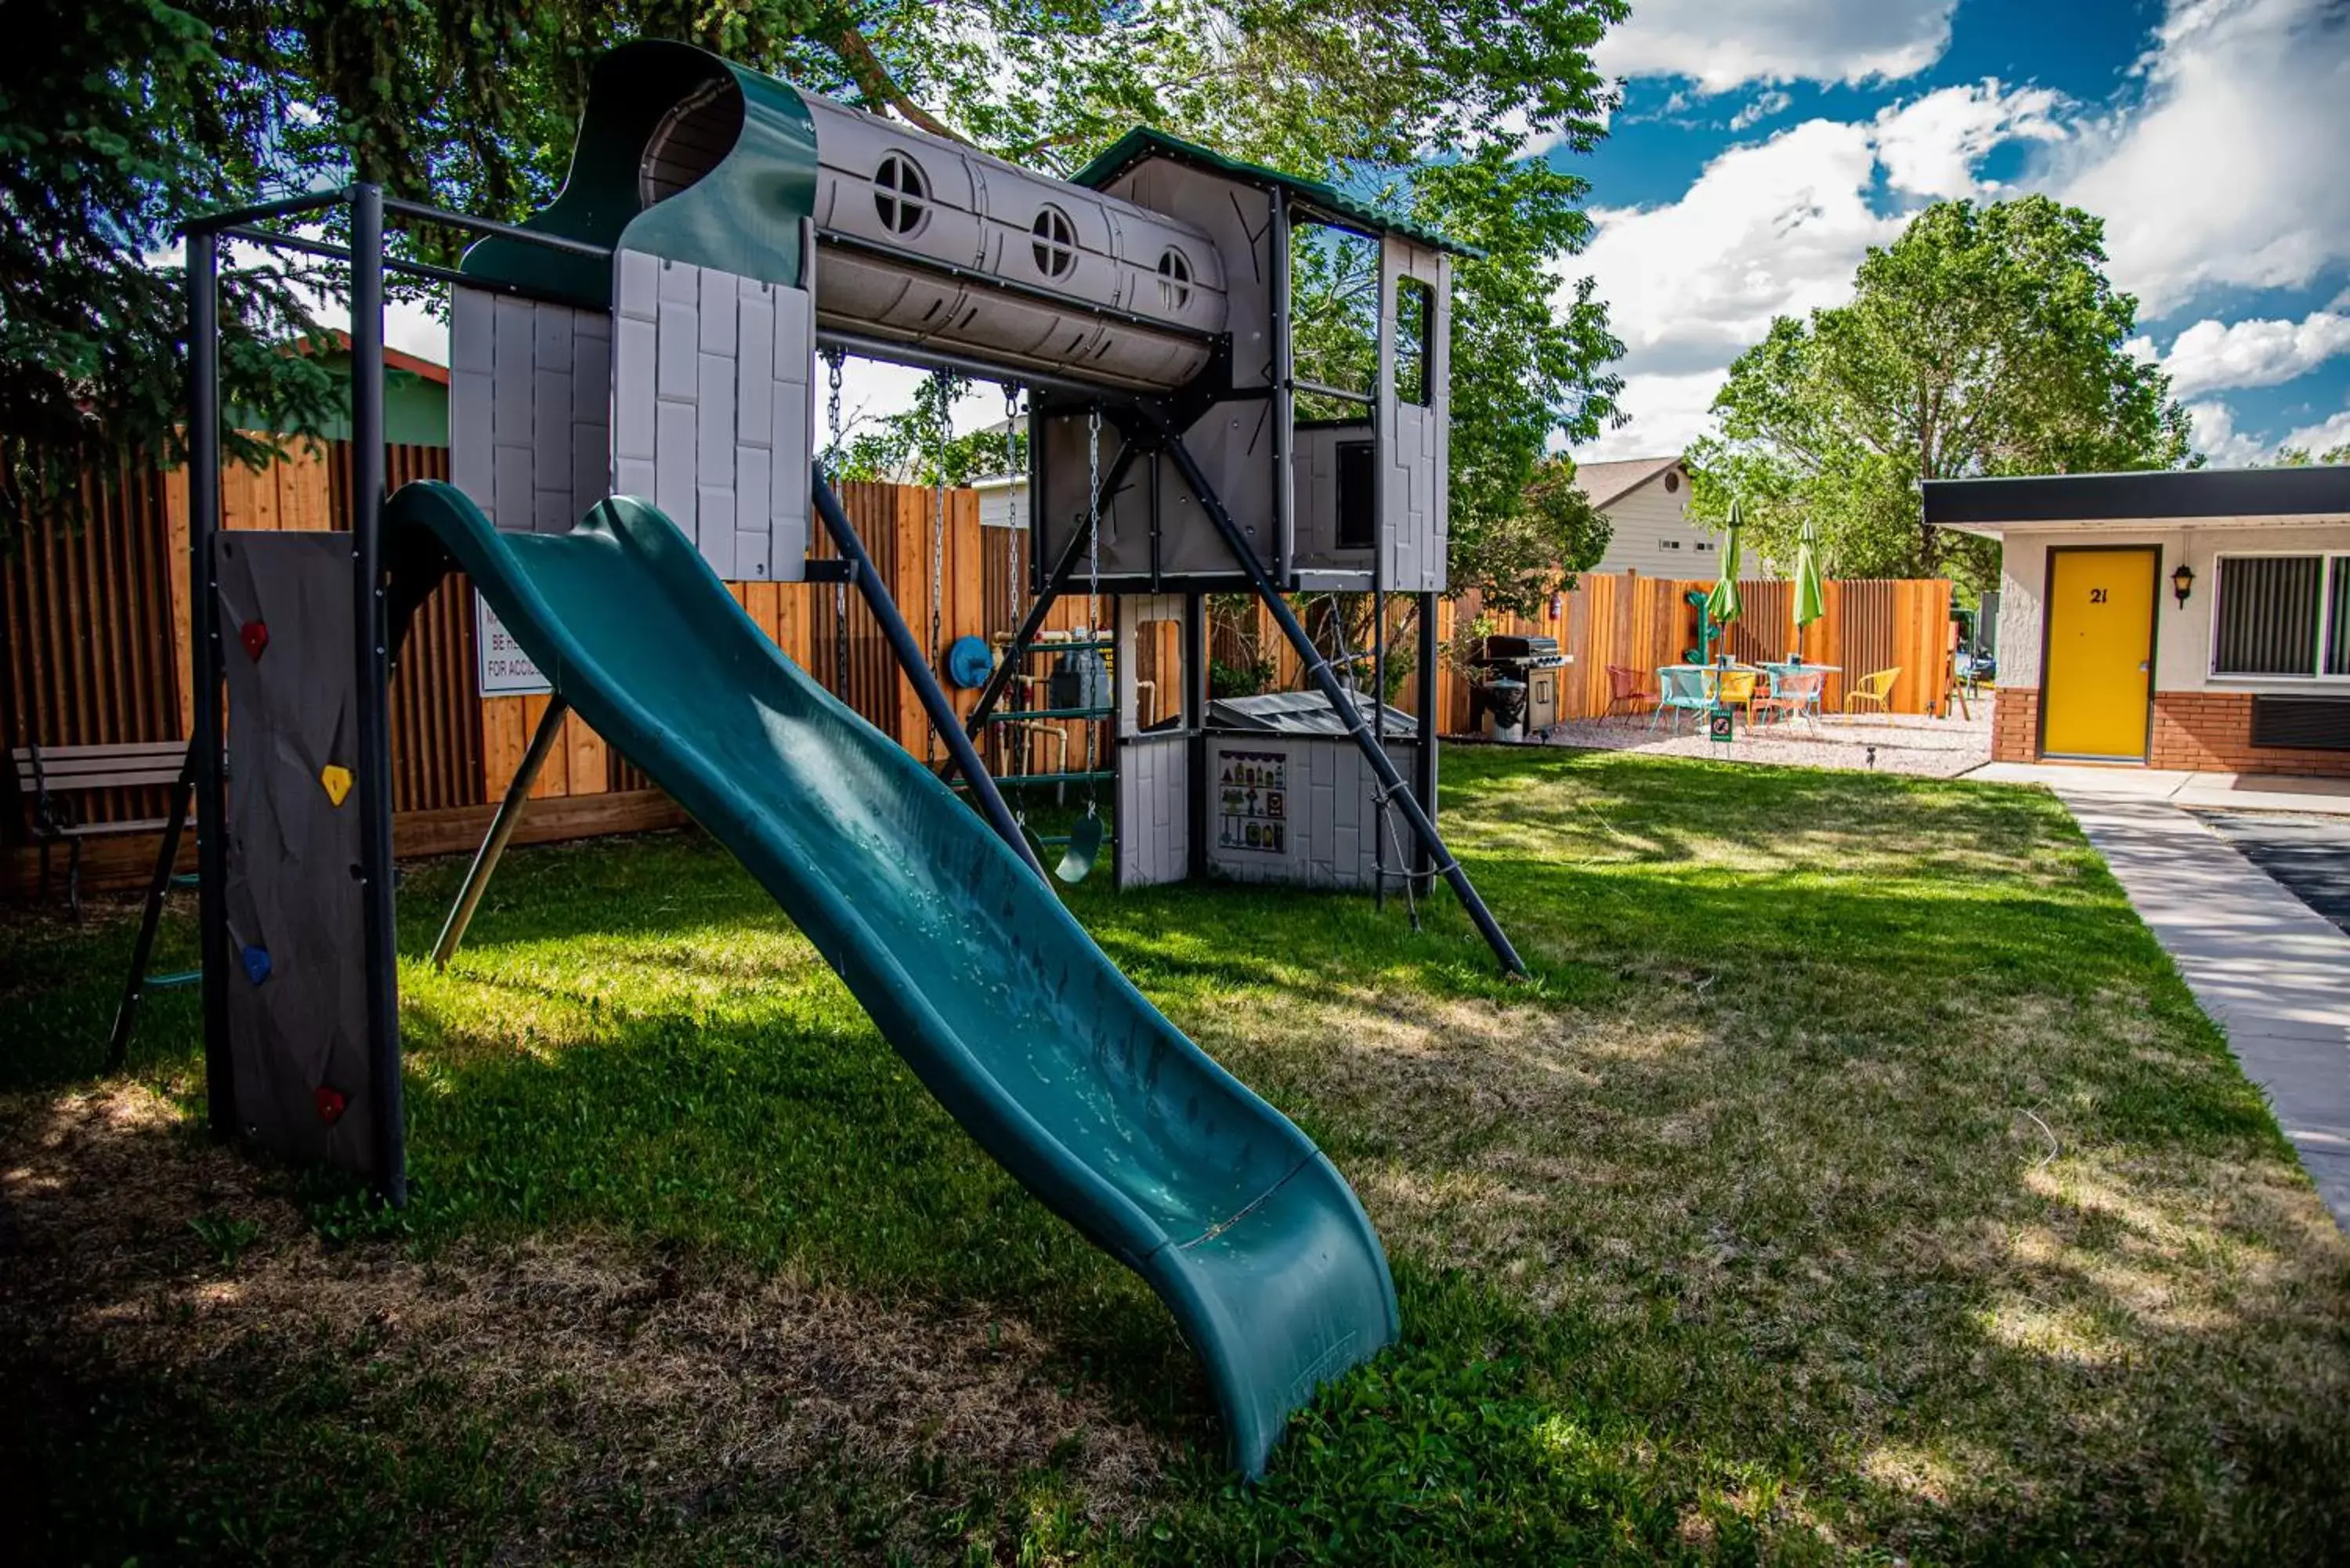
(1810, 601)
(1722, 606)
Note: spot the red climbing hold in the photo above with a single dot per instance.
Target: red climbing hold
(330, 1102)
(254, 635)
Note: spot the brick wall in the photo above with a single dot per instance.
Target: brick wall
(2194, 732)
(2015, 724)
(2210, 731)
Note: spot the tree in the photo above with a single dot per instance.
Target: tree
(469, 103)
(1984, 340)
(113, 124)
(2299, 456)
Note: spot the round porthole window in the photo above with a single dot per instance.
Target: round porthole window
(1055, 245)
(1174, 280)
(1672, 480)
(901, 195)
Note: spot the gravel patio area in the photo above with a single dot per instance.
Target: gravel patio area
(1900, 743)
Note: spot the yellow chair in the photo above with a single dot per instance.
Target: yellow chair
(1739, 689)
(1872, 690)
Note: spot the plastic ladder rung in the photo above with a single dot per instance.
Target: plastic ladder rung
(173, 980)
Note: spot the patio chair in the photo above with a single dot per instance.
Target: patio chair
(1794, 695)
(1625, 690)
(1740, 688)
(1872, 690)
(1680, 690)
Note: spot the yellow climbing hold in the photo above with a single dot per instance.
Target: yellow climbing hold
(338, 781)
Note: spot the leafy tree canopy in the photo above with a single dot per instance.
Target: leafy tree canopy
(1427, 106)
(2301, 456)
(1984, 340)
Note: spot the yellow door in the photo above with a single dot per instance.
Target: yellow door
(2095, 689)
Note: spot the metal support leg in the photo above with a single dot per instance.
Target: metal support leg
(501, 827)
(204, 662)
(1423, 825)
(117, 1043)
(1424, 765)
(924, 680)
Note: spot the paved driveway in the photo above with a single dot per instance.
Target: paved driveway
(2309, 855)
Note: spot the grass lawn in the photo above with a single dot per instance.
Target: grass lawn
(1855, 1181)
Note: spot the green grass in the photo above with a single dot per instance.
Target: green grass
(1854, 1180)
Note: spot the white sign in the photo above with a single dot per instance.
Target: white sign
(506, 670)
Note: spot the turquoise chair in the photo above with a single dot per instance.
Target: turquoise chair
(1680, 690)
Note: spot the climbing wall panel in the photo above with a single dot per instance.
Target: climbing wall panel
(296, 985)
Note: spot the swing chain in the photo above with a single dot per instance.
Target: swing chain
(1093, 588)
(943, 385)
(839, 589)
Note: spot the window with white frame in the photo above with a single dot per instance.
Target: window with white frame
(2282, 616)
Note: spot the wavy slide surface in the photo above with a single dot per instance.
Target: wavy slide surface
(979, 978)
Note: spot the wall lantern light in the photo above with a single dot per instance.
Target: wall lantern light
(2182, 582)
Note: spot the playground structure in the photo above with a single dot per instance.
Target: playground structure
(633, 375)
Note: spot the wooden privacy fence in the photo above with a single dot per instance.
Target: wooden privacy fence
(95, 623)
(1640, 623)
(96, 651)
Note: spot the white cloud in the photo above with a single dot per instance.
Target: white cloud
(1725, 43)
(1776, 228)
(2211, 356)
(2213, 432)
(1764, 106)
(1767, 230)
(2323, 436)
(2228, 171)
(1932, 146)
(1667, 412)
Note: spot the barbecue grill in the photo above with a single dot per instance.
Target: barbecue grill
(1536, 661)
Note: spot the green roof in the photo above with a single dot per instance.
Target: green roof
(1143, 143)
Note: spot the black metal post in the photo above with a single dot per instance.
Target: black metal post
(370, 641)
(1344, 705)
(1195, 718)
(1424, 765)
(159, 887)
(501, 827)
(925, 680)
(205, 670)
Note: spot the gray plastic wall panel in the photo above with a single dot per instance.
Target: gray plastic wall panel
(298, 1035)
(529, 409)
(1415, 438)
(711, 376)
(1327, 811)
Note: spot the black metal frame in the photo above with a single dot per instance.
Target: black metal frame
(365, 206)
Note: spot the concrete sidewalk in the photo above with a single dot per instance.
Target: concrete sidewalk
(2271, 971)
(2198, 792)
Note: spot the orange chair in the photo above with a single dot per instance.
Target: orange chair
(1873, 692)
(1626, 690)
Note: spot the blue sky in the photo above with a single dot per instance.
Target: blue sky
(1764, 145)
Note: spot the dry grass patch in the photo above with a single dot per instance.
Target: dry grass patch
(705, 1394)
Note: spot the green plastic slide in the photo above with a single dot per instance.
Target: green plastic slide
(991, 992)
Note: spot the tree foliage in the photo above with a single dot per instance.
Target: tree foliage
(1984, 340)
(1425, 104)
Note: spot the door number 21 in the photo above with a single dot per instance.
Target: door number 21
(2097, 595)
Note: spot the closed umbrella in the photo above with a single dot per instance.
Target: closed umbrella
(1810, 601)
(1722, 606)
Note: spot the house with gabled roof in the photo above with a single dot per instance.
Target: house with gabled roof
(1646, 502)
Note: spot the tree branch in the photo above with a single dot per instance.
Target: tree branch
(874, 80)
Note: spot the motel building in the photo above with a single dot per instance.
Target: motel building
(2197, 620)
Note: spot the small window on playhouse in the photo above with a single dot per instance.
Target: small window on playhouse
(1358, 522)
(1056, 246)
(1415, 330)
(901, 195)
(1334, 320)
(1174, 280)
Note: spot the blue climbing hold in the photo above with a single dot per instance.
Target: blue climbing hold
(256, 964)
(969, 662)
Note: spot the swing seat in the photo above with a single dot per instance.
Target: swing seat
(1085, 845)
